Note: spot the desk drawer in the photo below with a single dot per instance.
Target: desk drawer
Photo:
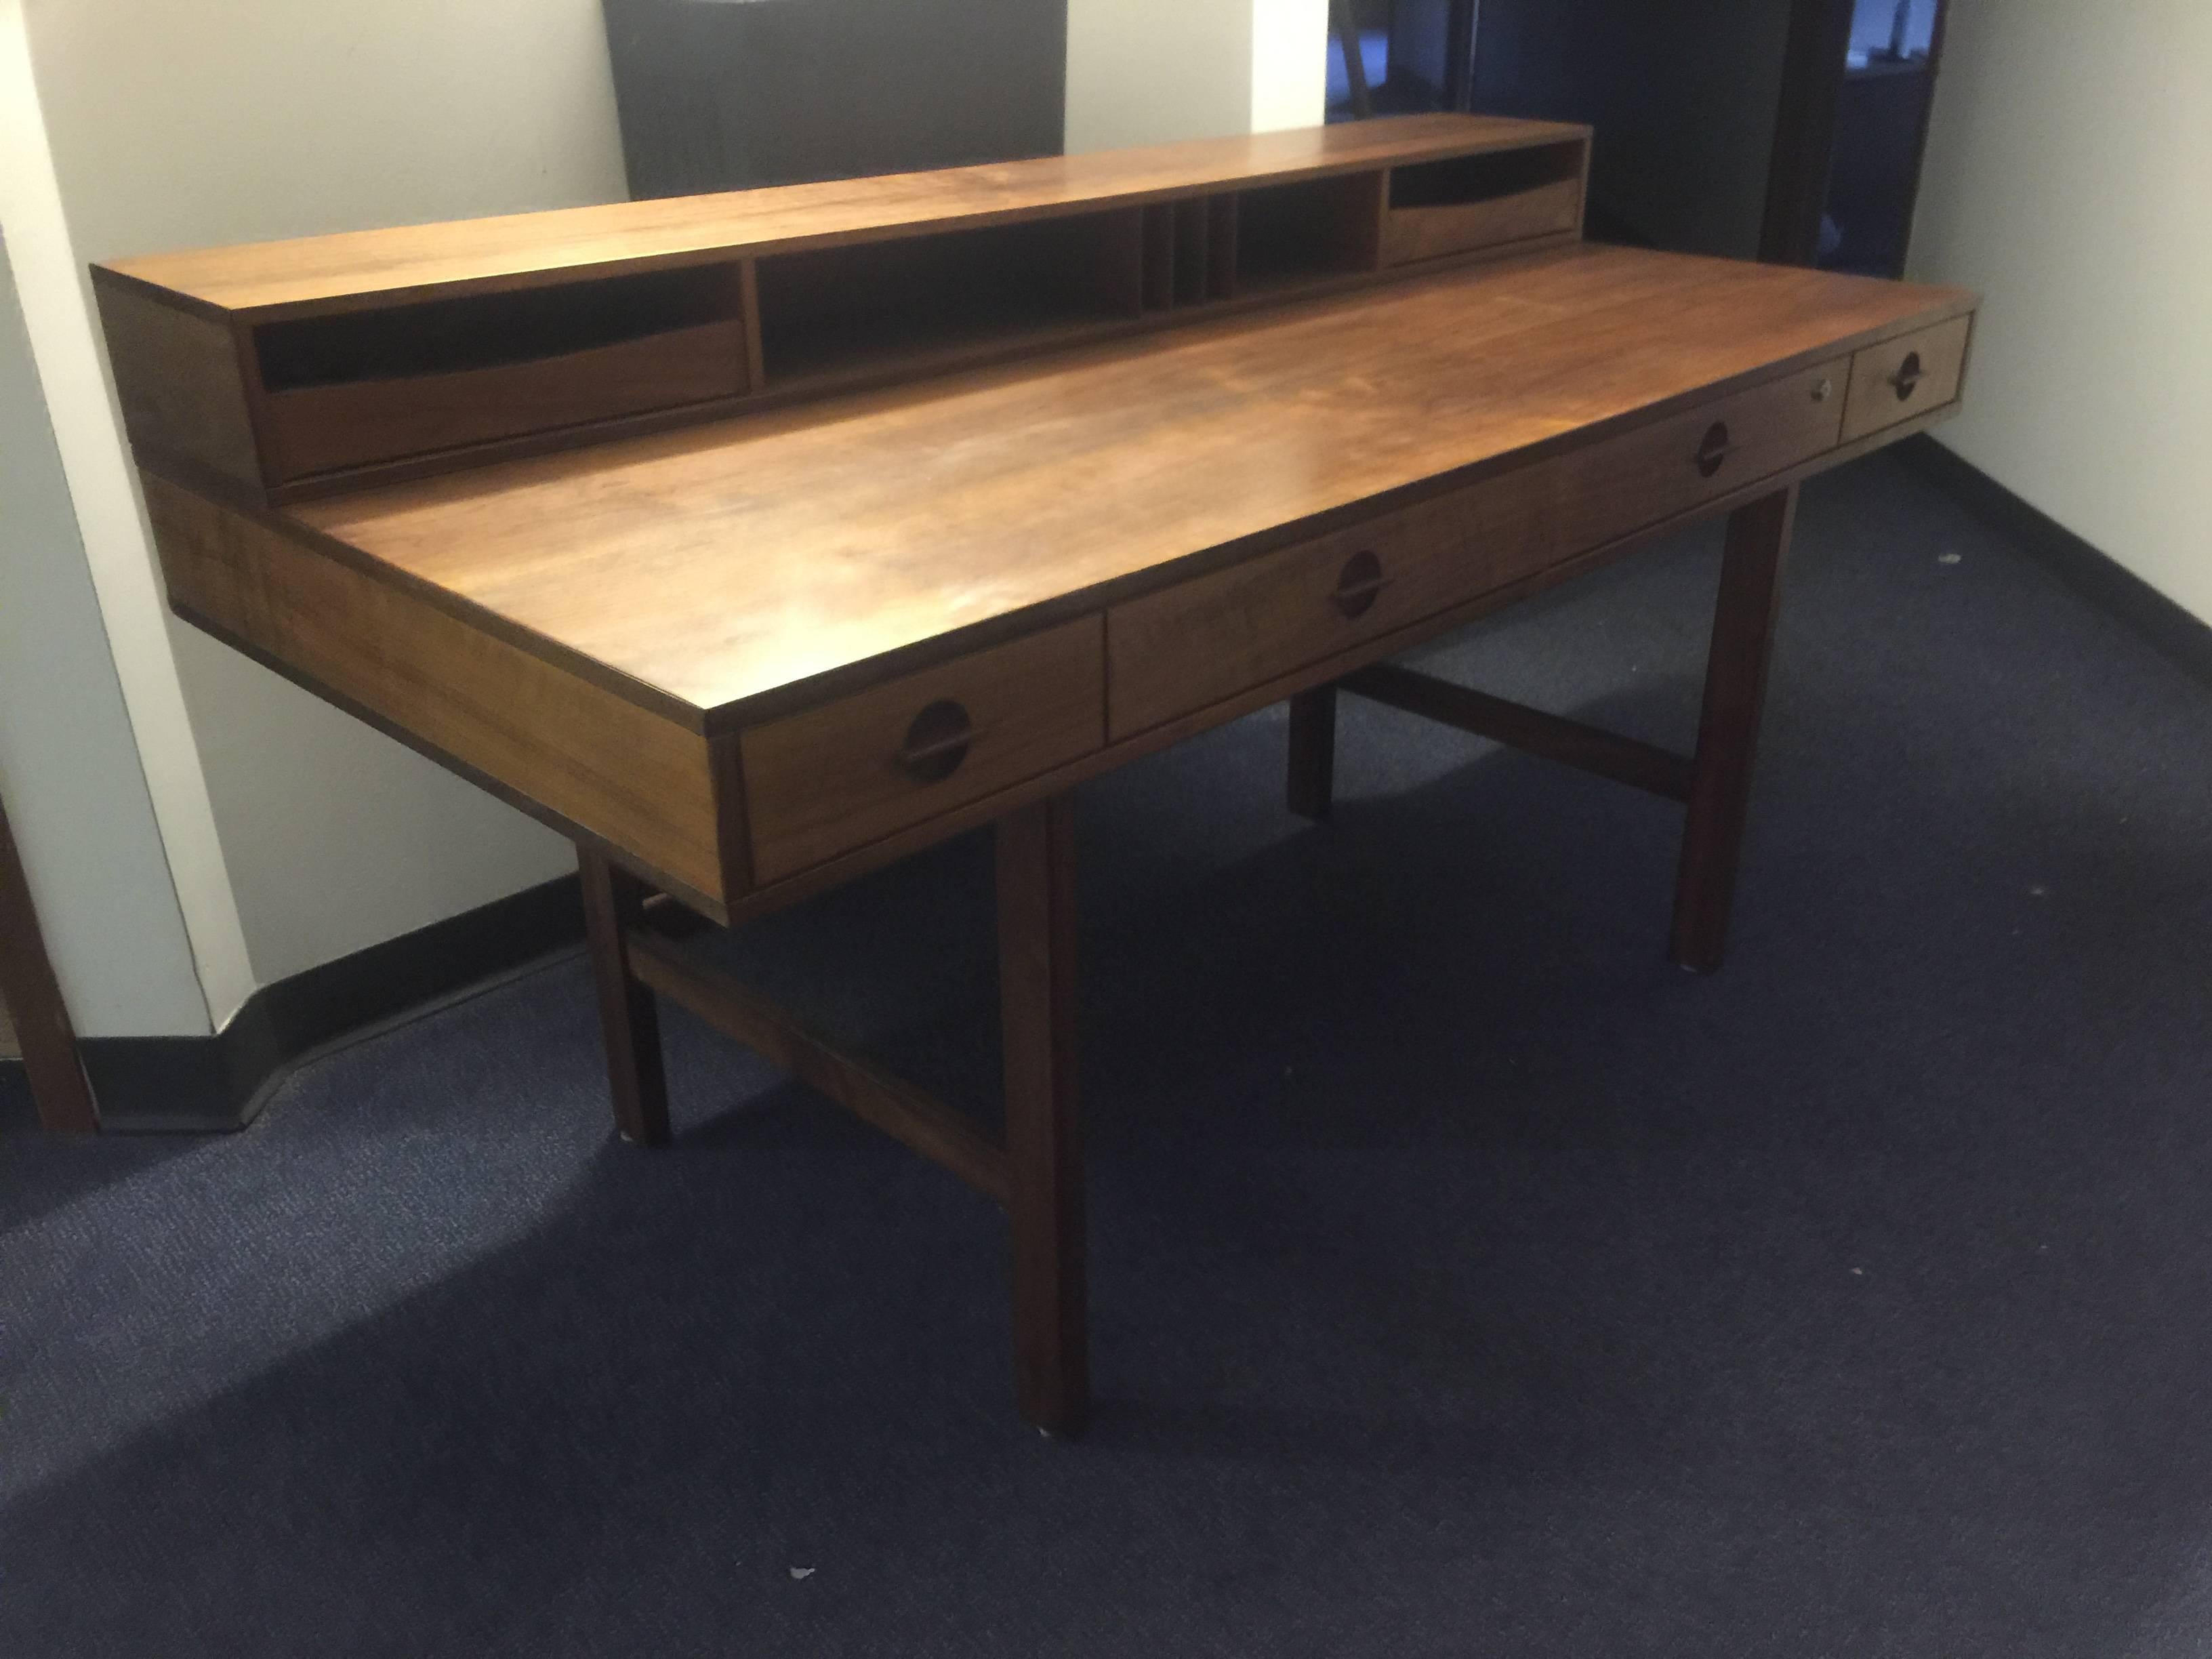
(854, 771)
(1905, 377)
(1593, 496)
(1205, 640)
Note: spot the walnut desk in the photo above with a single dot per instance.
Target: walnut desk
(756, 540)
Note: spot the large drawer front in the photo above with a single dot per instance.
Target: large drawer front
(1206, 640)
(854, 771)
(1200, 643)
(1907, 376)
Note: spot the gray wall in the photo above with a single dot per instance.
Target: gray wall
(2065, 180)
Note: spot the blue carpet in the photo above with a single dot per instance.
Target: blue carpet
(1466, 1279)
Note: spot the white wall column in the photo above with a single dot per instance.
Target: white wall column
(86, 432)
(1290, 64)
(1152, 71)
(69, 766)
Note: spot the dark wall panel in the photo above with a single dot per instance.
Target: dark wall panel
(1684, 97)
(725, 95)
(1420, 38)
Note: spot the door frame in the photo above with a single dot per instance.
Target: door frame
(1803, 156)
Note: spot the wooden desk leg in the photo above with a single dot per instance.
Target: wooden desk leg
(59, 1092)
(630, 1018)
(1313, 753)
(1044, 1139)
(1728, 732)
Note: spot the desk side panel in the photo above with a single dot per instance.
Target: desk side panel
(571, 753)
(180, 383)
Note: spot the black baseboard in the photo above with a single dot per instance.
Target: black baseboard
(197, 1084)
(2095, 576)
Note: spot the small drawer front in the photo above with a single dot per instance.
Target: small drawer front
(1210, 639)
(1410, 234)
(1907, 376)
(854, 771)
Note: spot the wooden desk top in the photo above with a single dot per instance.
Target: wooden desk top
(707, 571)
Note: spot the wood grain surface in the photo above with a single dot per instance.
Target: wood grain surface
(376, 266)
(1119, 752)
(1427, 233)
(1037, 1011)
(1899, 378)
(590, 759)
(750, 568)
(178, 380)
(1202, 640)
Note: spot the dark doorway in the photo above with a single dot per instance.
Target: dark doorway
(1882, 128)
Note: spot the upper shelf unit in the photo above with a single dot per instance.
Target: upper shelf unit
(294, 368)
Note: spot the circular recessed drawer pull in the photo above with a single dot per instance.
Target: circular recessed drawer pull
(1909, 375)
(1713, 452)
(1825, 391)
(937, 742)
(1359, 586)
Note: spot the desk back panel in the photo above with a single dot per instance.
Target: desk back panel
(574, 753)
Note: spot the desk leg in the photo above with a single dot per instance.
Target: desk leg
(32, 1000)
(1313, 753)
(1728, 732)
(630, 1018)
(1044, 1141)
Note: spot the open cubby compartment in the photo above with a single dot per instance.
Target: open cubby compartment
(1284, 235)
(1190, 250)
(1159, 256)
(866, 310)
(1464, 204)
(386, 383)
